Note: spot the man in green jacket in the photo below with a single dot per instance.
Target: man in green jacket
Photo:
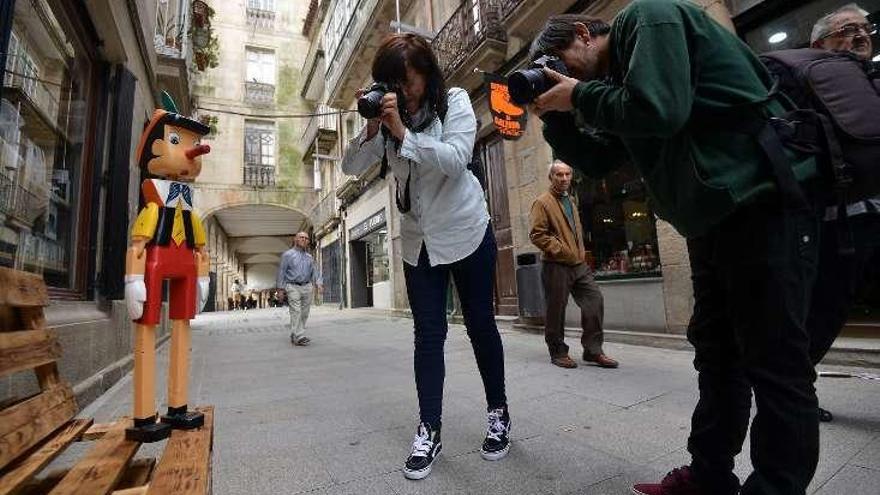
(653, 88)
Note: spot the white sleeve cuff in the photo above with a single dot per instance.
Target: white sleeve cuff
(362, 139)
(409, 147)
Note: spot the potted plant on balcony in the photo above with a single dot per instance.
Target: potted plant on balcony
(202, 14)
(210, 121)
(208, 57)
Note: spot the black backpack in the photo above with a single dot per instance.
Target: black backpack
(840, 98)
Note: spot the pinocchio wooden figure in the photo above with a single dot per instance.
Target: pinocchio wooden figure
(167, 243)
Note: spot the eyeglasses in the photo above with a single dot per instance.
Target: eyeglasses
(853, 29)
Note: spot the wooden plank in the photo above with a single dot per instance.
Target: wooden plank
(21, 289)
(9, 318)
(17, 475)
(101, 469)
(185, 466)
(138, 474)
(140, 490)
(32, 318)
(27, 350)
(27, 423)
(98, 430)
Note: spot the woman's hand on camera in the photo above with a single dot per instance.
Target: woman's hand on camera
(557, 98)
(390, 116)
(372, 124)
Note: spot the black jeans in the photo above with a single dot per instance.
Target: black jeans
(752, 278)
(426, 287)
(838, 279)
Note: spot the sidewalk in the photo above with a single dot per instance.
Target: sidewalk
(338, 417)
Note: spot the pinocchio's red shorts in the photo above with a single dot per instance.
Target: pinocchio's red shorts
(178, 265)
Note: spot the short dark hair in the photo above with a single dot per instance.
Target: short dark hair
(401, 49)
(559, 31)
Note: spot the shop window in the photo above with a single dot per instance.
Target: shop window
(43, 116)
(792, 29)
(378, 256)
(619, 227)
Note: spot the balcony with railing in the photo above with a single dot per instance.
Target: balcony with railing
(320, 133)
(351, 34)
(23, 79)
(7, 194)
(261, 19)
(258, 93)
(473, 37)
(174, 49)
(325, 214)
(260, 176)
(523, 18)
(20, 203)
(172, 21)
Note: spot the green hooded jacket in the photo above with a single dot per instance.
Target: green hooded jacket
(669, 61)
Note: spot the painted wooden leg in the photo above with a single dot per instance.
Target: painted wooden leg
(178, 379)
(145, 428)
(144, 371)
(178, 365)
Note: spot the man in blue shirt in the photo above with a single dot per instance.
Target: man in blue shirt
(298, 275)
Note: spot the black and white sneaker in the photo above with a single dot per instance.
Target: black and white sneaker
(497, 442)
(425, 448)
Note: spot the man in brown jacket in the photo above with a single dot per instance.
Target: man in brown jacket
(557, 232)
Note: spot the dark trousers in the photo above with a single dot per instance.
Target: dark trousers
(752, 277)
(426, 287)
(838, 279)
(560, 280)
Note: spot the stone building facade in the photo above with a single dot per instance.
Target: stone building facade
(80, 80)
(255, 192)
(640, 261)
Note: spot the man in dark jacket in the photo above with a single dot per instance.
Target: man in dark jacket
(654, 84)
(845, 30)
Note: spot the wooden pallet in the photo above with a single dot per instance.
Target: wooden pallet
(35, 430)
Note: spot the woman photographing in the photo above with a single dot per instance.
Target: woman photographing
(424, 135)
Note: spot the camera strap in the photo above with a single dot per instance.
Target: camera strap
(405, 205)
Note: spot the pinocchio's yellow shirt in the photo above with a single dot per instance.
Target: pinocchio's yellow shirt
(162, 193)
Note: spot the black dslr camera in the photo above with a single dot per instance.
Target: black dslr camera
(526, 84)
(370, 103)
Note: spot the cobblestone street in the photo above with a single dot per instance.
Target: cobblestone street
(338, 417)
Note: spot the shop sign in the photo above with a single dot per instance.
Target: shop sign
(509, 119)
(374, 222)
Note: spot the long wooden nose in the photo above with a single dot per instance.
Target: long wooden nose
(197, 151)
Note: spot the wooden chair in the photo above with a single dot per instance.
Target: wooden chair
(35, 430)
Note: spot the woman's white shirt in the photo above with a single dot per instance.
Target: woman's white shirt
(448, 211)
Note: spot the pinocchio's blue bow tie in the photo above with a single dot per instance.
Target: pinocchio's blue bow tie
(178, 189)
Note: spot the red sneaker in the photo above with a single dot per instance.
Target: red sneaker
(679, 481)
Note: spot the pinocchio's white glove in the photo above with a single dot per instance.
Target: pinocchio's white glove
(135, 295)
(202, 289)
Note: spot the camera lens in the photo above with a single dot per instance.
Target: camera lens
(370, 104)
(525, 85)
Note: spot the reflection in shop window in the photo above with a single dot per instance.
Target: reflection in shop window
(619, 229)
(42, 121)
(378, 256)
(792, 29)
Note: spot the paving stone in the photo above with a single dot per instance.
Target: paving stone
(338, 417)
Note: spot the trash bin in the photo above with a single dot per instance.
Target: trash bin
(530, 289)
